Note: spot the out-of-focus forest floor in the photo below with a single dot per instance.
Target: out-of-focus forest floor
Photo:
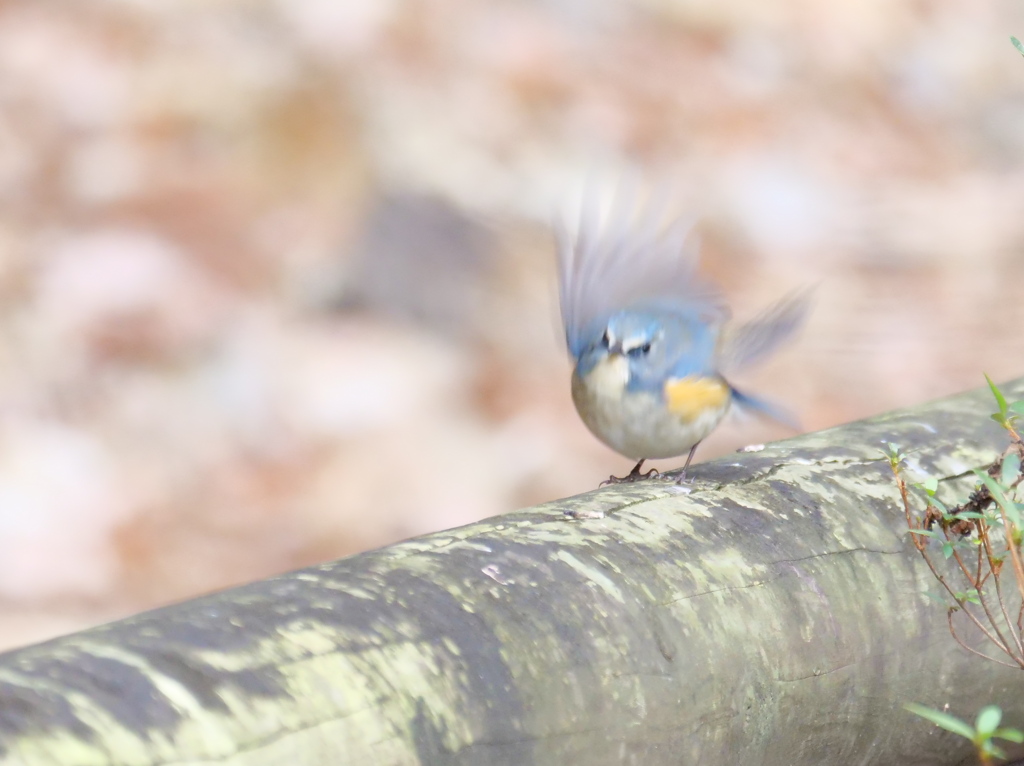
(276, 283)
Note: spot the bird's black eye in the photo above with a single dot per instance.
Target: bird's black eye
(605, 340)
(640, 350)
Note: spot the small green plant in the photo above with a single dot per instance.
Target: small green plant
(985, 729)
(978, 537)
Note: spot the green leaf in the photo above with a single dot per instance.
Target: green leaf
(947, 549)
(1010, 508)
(1010, 469)
(930, 485)
(1017, 44)
(1010, 735)
(993, 486)
(938, 599)
(969, 595)
(988, 720)
(925, 533)
(893, 455)
(944, 720)
(1000, 399)
(991, 748)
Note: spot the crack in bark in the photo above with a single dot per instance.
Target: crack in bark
(770, 472)
(820, 673)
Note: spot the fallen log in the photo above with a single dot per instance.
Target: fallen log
(772, 614)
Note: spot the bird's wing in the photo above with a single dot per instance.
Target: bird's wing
(625, 253)
(753, 341)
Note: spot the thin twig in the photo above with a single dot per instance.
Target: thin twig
(952, 630)
(981, 600)
(963, 607)
(1018, 566)
(978, 583)
(1016, 634)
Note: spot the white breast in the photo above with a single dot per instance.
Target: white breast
(636, 425)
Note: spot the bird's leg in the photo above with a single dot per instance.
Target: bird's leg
(633, 475)
(682, 476)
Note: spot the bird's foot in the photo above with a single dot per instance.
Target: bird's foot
(632, 476)
(682, 480)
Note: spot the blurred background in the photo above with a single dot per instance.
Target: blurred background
(277, 286)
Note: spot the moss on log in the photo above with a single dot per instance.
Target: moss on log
(772, 615)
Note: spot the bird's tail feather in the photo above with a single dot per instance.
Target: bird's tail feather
(766, 408)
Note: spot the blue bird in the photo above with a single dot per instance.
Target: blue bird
(649, 336)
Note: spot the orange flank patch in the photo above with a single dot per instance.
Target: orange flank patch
(691, 397)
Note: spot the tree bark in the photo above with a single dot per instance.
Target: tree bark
(773, 614)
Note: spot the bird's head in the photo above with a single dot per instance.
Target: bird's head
(632, 340)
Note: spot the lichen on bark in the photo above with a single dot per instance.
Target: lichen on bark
(772, 613)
